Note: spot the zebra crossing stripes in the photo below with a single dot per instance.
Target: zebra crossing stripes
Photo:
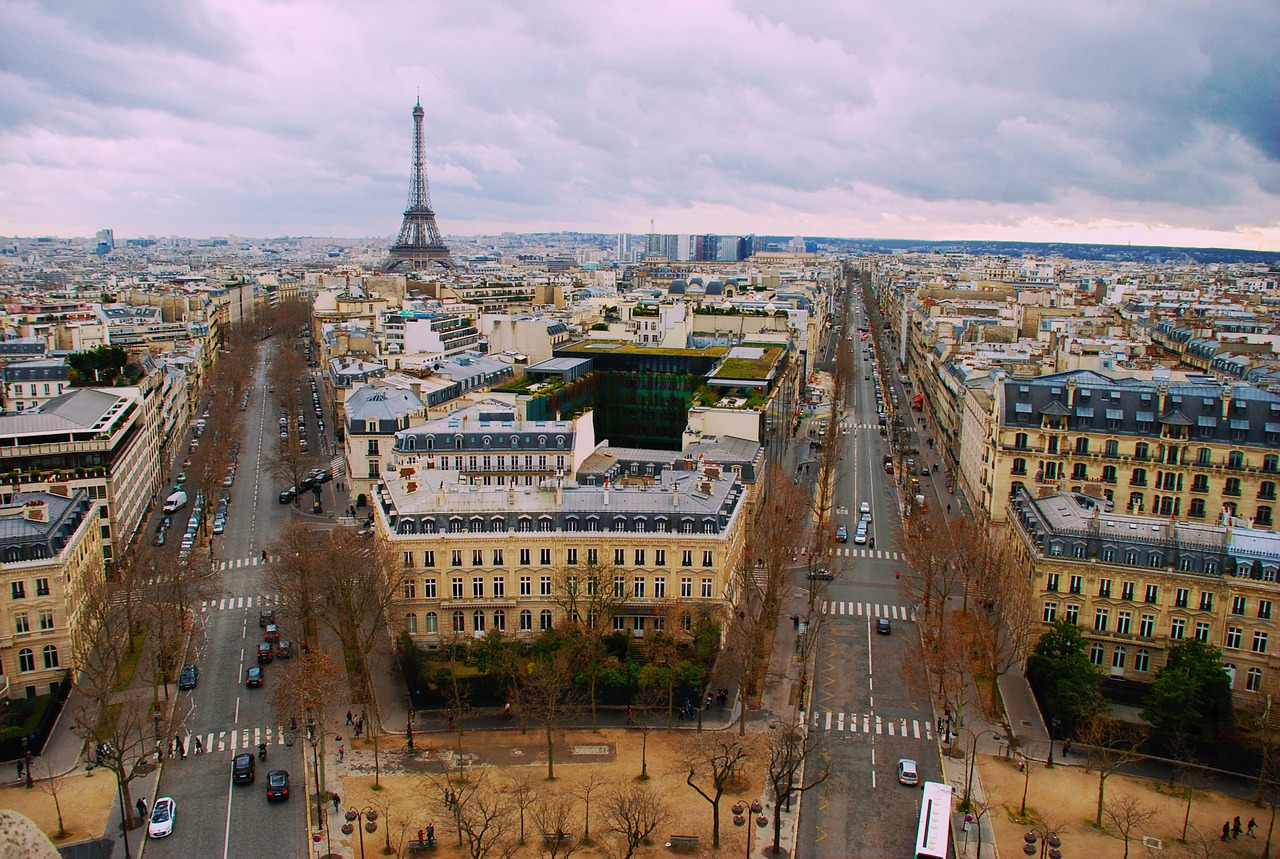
(238, 563)
(861, 609)
(854, 552)
(235, 739)
(868, 723)
(230, 603)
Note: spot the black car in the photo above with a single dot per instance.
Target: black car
(253, 677)
(242, 769)
(278, 785)
(265, 653)
(882, 626)
(821, 574)
(189, 676)
(288, 495)
(265, 617)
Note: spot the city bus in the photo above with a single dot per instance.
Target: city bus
(934, 833)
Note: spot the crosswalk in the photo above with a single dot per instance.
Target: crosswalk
(867, 724)
(853, 552)
(865, 609)
(232, 603)
(238, 563)
(234, 740)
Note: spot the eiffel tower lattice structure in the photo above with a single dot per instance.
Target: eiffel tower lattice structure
(419, 244)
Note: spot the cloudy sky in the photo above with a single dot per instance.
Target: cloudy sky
(1151, 121)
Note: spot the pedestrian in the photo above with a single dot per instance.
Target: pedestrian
(422, 836)
(1253, 824)
(342, 751)
(199, 746)
(19, 770)
(446, 797)
(171, 749)
(1066, 748)
(431, 833)
(350, 718)
(359, 726)
(142, 807)
(1236, 828)
(711, 699)
(1226, 831)
(337, 800)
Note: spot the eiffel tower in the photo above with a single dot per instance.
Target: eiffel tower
(419, 244)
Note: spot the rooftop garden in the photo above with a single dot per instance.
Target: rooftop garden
(750, 368)
(616, 347)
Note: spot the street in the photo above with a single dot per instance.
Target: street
(863, 702)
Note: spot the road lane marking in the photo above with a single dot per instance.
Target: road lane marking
(828, 724)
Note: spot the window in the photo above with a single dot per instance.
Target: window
(1153, 594)
(524, 557)
(20, 622)
(1263, 516)
(637, 587)
(526, 620)
(1111, 448)
(26, 660)
(1264, 609)
(431, 623)
(1259, 642)
(42, 587)
(1238, 605)
(660, 557)
(1253, 680)
(1082, 446)
(500, 620)
(544, 557)
(1233, 487)
(593, 557)
(1235, 459)
(459, 622)
(544, 619)
(1051, 582)
(1206, 601)
(411, 623)
(706, 588)
(429, 559)
(1117, 659)
(1147, 628)
(619, 586)
(497, 558)
(1177, 629)
(1197, 508)
(1019, 466)
(571, 557)
(1141, 450)
(619, 557)
(1126, 591)
(686, 558)
(1180, 597)
(1202, 631)
(1050, 612)
(1080, 471)
(1200, 483)
(1100, 618)
(18, 590)
(455, 558)
(1020, 441)
(686, 587)
(1142, 661)
(429, 588)
(544, 588)
(1077, 584)
(1234, 636)
(1073, 614)
(526, 586)
(1139, 477)
(1104, 588)
(660, 588)
(477, 557)
(639, 553)
(410, 589)
(499, 587)
(1096, 652)
(1271, 463)
(477, 621)
(46, 618)
(1123, 621)
(477, 587)
(457, 587)
(1108, 474)
(708, 558)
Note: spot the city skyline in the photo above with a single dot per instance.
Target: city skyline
(1144, 123)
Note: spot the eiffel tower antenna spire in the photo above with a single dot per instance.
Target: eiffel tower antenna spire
(419, 244)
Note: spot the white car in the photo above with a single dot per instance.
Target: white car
(860, 536)
(907, 772)
(162, 817)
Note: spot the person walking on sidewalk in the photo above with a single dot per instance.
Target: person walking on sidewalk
(350, 719)
(336, 800)
(1253, 824)
(342, 751)
(142, 807)
(1236, 827)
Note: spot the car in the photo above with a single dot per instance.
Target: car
(883, 626)
(230, 479)
(860, 536)
(266, 653)
(288, 495)
(271, 632)
(866, 378)
(266, 616)
(189, 676)
(277, 785)
(162, 814)
(284, 433)
(821, 574)
(924, 471)
(284, 650)
(864, 509)
(160, 539)
(219, 524)
(253, 677)
(182, 477)
(302, 445)
(907, 772)
(842, 533)
(242, 769)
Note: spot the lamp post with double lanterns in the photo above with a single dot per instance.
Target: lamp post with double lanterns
(1048, 841)
(370, 815)
(740, 810)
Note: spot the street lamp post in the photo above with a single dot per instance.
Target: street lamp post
(1048, 840)
(370, 815)
(973, 754)
(740, 819)
(1053, 730)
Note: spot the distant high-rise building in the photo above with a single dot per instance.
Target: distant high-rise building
(106, 242)
(624, 247)
(419, 244)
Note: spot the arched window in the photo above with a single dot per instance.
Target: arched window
(477, 621)
(430, 623)
(26, 660)
(459, 622)
(486, 442)
(500, 620)
(559, 441)
(544, 619)
(411, 623)
(515, 442)
(431, 442)
(1142, 660)
(457, 442)
(1253, 680)
(410, 443)
(1096, 653)
(526, 620)
(1117, 660)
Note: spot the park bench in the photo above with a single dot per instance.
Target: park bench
(683, 842)
(555, 837)
(416, 846)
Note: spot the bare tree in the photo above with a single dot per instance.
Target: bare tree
(1204, 845)
(633, 812)
(717, 762)
(554, 817)
(792, 748)
(1125, 814)
(592, 784)
(523, 794)
(301, 699)
(50, 782)
(644, 712)
(589, 597)
(485, 820)
(548, 694)
(1110, 746)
